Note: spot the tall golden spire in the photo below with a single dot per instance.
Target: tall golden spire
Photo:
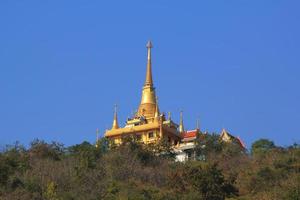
(115, 122)
(149, 81)
(148, 103)
(181, 127)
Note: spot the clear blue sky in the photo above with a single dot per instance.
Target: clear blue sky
(233, 64)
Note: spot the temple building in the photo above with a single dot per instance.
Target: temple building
(147, 124)
(225, 136)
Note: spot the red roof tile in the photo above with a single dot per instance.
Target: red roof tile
(241, 142)
(188, 134)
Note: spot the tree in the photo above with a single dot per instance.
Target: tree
(208, 145)
(262, 146)
(86, 155)
(4, 171)
(103, 145)
(41, 149)
(209, 181)
(133, 170)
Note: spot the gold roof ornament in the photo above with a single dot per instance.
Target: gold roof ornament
(169, 116)
(198, 124)
(97, 137)
(181, 127)
(115, 122)
(148, 103)
(225, 136)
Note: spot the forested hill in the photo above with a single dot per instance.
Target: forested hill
(50, 171)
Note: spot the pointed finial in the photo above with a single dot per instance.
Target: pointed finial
(197, 124)
(224, 132)
(97, 134)
(149, 81)
(169, 116)
(97, 137)
(115, 122)
(149, 44)
(181, 127)
(115, 108)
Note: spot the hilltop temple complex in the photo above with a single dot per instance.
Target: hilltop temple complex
(149, 125)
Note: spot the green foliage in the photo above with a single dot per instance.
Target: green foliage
(262, 146)
(13, 159)
(293, 189)
(209, 181)
(135, 171)
(41, 149)
(210, 143)
(4, 170)
(208, 146)
(103, 145)
(162, 149)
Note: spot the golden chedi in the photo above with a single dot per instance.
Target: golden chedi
(147, 124)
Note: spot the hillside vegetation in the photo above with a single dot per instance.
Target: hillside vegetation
(50, 171)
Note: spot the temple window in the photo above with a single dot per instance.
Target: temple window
(150, 135)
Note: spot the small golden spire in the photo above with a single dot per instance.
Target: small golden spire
(197, 124)
(149, 81)
(115, 122)
(169, 116)
(181, 128)
(97, 137)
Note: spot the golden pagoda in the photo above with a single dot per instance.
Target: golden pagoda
(148, 125)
